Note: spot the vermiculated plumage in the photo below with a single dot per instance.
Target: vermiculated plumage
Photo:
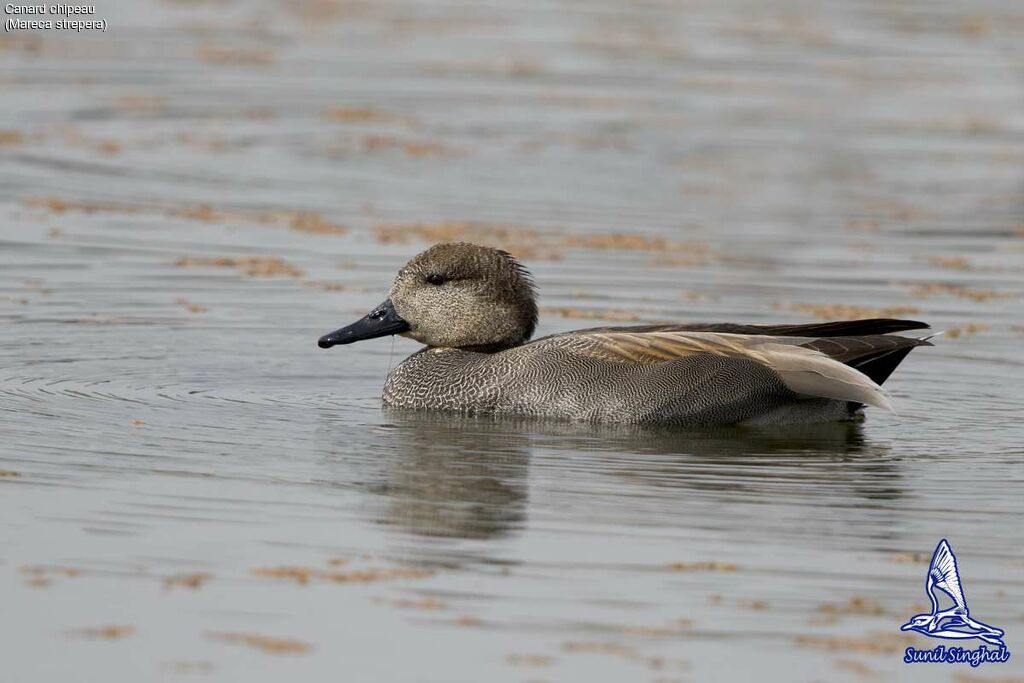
(474, 308)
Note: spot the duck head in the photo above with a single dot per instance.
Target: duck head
(456, 295)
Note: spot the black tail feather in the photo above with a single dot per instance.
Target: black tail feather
(845, 328)
(879, 366)
(839, 328)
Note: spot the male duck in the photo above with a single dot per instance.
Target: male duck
(474, 308)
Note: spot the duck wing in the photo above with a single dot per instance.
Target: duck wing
(862, 344)
(944, 574)
(804, 370)
(874, 355)
(839, 328)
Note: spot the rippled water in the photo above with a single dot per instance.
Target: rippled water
(189, 488)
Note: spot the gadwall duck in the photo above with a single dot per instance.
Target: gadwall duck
(475, 310)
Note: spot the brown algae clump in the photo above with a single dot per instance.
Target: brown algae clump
(849, 312)
(269, 644)
(253, 266)
(104, 632)
(193, 581)
(303, 575)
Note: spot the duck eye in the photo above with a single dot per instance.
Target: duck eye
(435, 279)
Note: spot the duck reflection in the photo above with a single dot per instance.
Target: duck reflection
(437, 475)
(451, 476)
(818, 460)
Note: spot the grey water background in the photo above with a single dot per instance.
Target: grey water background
(189, 489)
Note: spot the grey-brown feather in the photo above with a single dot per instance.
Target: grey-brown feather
(563, 378)
(474, 308)
(553, 381)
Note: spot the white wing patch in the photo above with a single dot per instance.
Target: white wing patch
(803, 370)
(812, 373)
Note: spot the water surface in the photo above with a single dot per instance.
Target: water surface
(191, 489)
